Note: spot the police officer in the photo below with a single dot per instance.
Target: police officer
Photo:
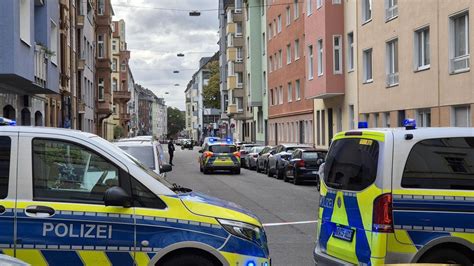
(171, 150)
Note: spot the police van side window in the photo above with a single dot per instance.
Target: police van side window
(64, 171)
(444, 163)
(144, 198)
(5, 150)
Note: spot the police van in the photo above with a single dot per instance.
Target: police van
(73, 198)
(401, 195)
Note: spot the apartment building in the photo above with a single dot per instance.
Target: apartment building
(290, 114)
(415, 62)
(256, 69)
(159, 118)
(330, 67)
(29, 66)
(104, 99)
(145, 111)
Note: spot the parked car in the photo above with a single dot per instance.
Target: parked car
(282, 153)
(262, 159)
(244, 150)
(252, 156)
(149, 152)
(304, 166)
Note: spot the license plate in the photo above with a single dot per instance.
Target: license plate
(222, 158)
(345, 234)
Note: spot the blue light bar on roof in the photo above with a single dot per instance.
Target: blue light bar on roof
(409, 123)
(7, 122)
(363, 124)
(228, 140)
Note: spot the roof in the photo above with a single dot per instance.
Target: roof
(47, 130)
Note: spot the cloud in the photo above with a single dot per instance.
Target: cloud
(155, 36)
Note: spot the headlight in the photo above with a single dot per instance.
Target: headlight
(243, 230)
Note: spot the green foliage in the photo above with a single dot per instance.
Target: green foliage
(211, 93)
(118, 132)
(176, 121)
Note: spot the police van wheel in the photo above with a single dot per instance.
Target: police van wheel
(188, 260)
(206, 171)
(449, 256)
(236, 171)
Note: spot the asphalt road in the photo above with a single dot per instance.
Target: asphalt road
(272, 200)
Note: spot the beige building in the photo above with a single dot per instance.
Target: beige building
(414, 62)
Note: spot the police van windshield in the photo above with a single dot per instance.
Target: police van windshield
(143, 153)
(351, 164)
(222, 148)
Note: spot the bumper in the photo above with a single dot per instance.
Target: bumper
(307, 174)
(321, 258)
(237, 259)
(222, 167)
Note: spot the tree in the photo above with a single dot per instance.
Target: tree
(118, 132)
(176, 121)
(211, 93)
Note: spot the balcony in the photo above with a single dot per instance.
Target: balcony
(41, 66)
(231, 28)
(81, 62)
(122, 95)
(231, 82)
(81, 107)
(232, 109)
(105, 107)
(80, 21)
(231, 54)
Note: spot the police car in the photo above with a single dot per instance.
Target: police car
(68, 197)
(398, 196)
(219, 155)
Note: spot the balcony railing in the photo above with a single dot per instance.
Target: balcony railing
(41, 66)
(391, 12)
(231, 28)
(459, 64)
(231, 82)
(392, 79)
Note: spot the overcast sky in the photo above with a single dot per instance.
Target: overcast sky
(155, 36)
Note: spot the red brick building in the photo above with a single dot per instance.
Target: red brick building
(290, 112)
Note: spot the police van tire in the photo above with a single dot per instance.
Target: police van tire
(448, 255)
(206, 171)
(188, 260)
(236, 171)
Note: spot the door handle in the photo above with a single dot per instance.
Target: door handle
(2, 209)
(35, 210)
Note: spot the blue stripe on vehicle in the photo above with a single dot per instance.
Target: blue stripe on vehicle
(151, 255)
(420, 238)
(120, 258)
(61, 258)
(243, 247)
(442, 220)
(355, 221)
(327, 227)
(433, 205)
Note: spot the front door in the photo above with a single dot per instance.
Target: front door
(8, 143)
(63, 218)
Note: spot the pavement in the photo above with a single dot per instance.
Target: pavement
(288, 212)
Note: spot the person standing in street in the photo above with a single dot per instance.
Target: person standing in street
(171, 150)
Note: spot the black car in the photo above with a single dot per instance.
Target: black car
(282, 153)
(304, 166)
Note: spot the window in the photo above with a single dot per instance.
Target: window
(459, 42)
(445, 163)
(288, 54)
(280, 95)
(391, 9)
(297, 49)
(280, 58)
(350, 51)
(264, 83)
(144, 198)
(290, 92)
(114, 84)
(248, 49)
(263, 43)
(367, 61)
(296, 9)
(54, 43)
(100, 7)
(310, 63)
(288, 16)
(100, 46)
(63, 171)
(240, 79)
(351, 117)
(422, 49)
(240, 54)
(461, 116)
(366, 10)
(424, 118)
(319, 3)
(309, 7)
(386, 119)
(101, 89)
(123, 67)
(320, 57)
(238, 6)
(376, 120)
(270, 62)
(392, 62)
(336, 2)
(272, 97)
(270, 31)
(238, 31)
(274, 29)
(351, 164)
(114, 64)
(297, 90)
(5, 153)
(114, 44)
(25, 21)
(337, 54)
(279, 24)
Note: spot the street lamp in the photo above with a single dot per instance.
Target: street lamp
(180, 55)
(194, 13)
(176, 71)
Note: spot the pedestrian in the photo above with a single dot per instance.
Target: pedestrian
(171, 150)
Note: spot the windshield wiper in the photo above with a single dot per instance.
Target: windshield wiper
(178, 188)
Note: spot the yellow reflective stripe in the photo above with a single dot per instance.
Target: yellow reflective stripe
(365, 201)
(8, 204)
(466, 236)
(344, 250)
(94, 257)
(377, 243)
(374, 135)
(339, 214)
(141, 258)
(30, 256)
(8, 252)
(453, 193)
(400, 242)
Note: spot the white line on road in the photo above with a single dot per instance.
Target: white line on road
(290, 223)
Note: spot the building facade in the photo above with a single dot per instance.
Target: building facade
(29, 66)
(290, 114)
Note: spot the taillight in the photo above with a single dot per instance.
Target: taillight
(382, 219)
(300, 163)
(208, 154)
(236, 154)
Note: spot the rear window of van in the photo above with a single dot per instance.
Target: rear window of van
(5, 150)
(222, 149)
(351, 164)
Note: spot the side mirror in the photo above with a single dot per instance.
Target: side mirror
(320, 161)
(116, 196)
(166, 168)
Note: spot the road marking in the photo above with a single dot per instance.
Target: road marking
(290, 223)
